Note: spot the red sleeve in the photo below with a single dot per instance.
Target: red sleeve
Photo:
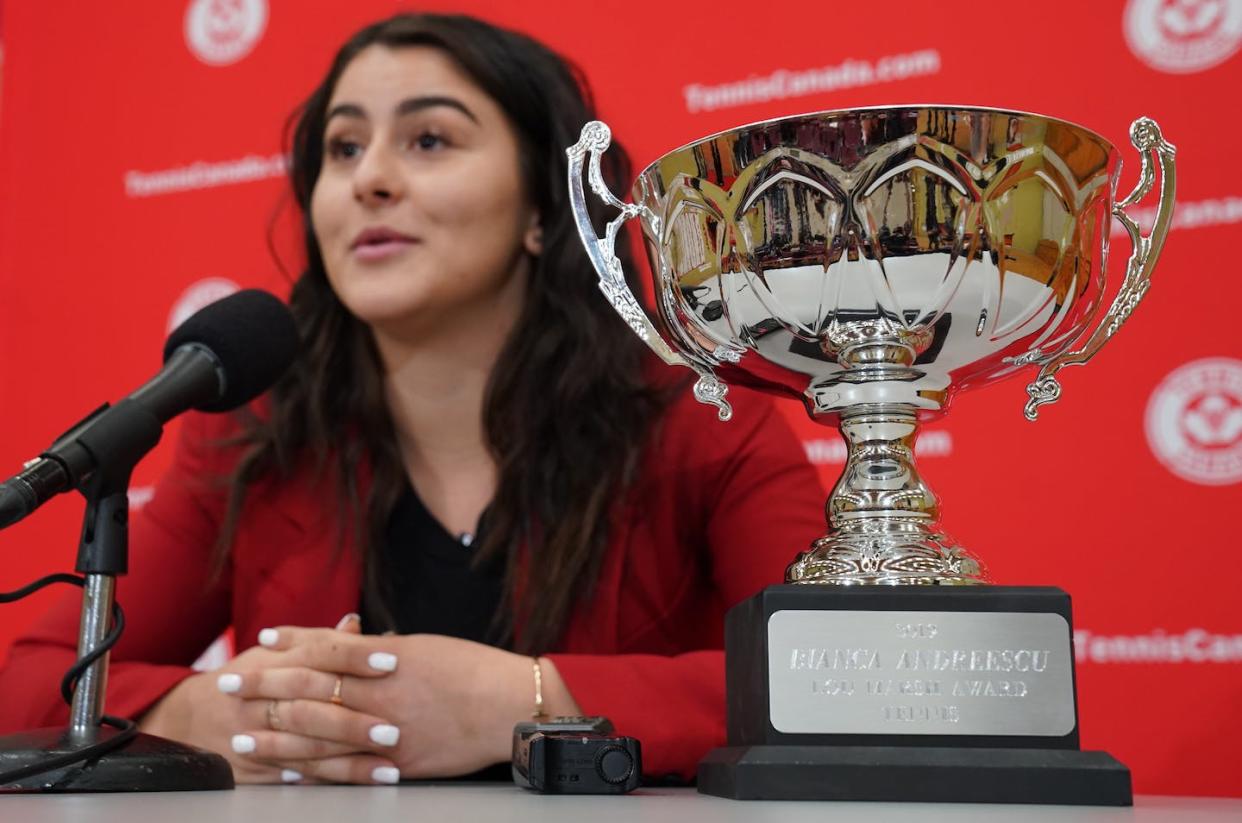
(764, 502)
(172, 611)
(673, 705)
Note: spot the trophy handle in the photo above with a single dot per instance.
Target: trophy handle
(595, 139)
(1146, 137)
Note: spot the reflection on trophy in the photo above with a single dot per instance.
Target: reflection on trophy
(874, 262)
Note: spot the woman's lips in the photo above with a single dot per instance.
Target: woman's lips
(384, 249)
(380, 243)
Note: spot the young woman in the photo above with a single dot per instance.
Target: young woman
(473, 452)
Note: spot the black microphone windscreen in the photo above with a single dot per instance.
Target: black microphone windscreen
(251, 333)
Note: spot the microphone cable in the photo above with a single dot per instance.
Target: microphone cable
(127, 729)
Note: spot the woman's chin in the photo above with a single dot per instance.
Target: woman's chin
(379, 302)
(387, 313)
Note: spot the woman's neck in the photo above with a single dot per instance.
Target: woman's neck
(435, 393)
(436, 383)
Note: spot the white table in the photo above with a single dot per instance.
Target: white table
(498, 803)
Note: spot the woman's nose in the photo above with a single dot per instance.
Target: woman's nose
(377, 178)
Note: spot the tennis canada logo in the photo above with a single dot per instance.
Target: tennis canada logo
(1181, 36)
(220, 32)
(197, 296)
(1194, 421)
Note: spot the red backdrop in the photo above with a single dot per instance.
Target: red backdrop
(140, 163)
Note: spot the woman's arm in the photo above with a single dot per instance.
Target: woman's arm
(760, 502)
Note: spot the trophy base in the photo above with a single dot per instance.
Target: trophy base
(916, 774)
(862, 682)
(145, 764)
(906, 693)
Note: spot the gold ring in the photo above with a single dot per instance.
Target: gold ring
(273, 719)
(336, 692)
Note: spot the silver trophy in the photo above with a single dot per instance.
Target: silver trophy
(874, 262)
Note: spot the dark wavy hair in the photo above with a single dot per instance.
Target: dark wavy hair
(567, 409)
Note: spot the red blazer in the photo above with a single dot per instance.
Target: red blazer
(721, 509)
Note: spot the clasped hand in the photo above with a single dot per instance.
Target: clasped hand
(406, 706)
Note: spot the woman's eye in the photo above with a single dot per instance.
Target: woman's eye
(341, 149)
(427, 141)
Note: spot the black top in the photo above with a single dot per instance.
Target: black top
(431, 582)
(433, 587)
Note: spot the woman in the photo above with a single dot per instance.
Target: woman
(472, 451)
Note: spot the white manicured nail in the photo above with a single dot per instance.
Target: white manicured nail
(243, 743)
(268, 637)
(345, 621)
(385, 735)
(290, 776)
(385, 774)
(229, 683)
(382, 661)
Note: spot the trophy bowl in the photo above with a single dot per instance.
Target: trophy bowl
(874, 262)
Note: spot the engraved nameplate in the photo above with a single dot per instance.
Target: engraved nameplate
(902, 672)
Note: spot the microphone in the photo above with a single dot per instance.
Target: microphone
(222, 357)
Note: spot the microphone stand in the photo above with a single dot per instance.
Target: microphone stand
(88, 756)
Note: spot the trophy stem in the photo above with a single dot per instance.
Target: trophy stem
(884, 518)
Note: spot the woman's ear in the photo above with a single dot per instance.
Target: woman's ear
(532, 240)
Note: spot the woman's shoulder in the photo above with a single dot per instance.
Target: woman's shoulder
(752, 413)
(692, 443)
(699, 466)
(211, 444)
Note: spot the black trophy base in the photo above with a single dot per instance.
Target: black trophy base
(916, 774)
(145, 764)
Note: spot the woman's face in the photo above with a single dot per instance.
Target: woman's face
(420, 209)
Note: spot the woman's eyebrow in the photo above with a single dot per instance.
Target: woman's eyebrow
(409, 105)
(345, 110)
(414, 104)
